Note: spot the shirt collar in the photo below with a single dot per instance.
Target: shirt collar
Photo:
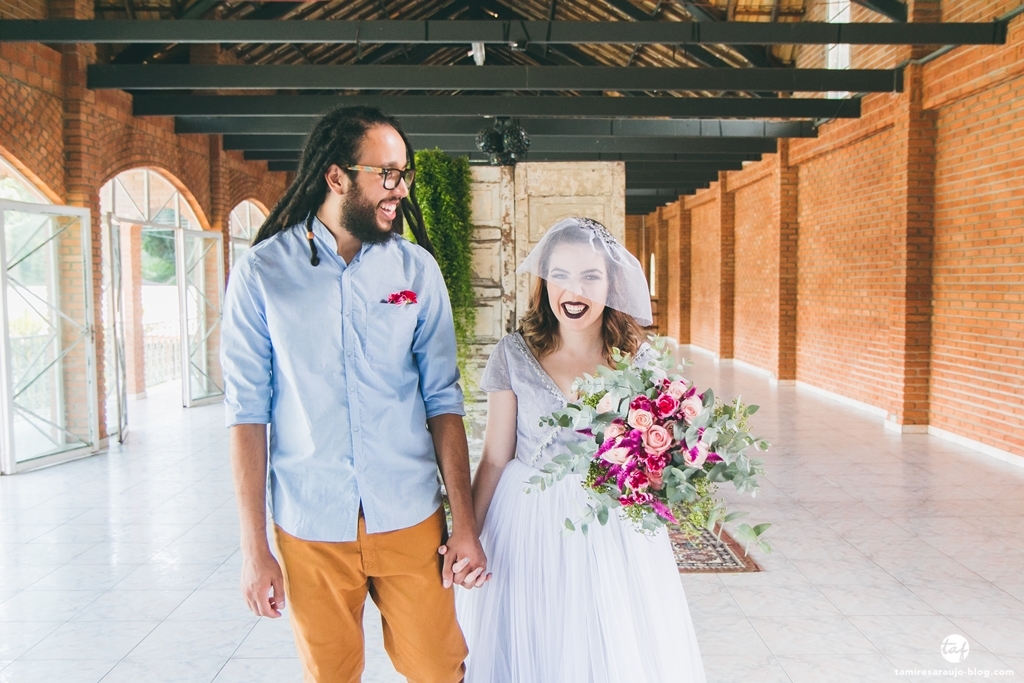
(327, 237)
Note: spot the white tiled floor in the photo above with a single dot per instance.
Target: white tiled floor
(124, 566)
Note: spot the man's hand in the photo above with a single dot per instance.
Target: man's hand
(263, 585)
(464, 561)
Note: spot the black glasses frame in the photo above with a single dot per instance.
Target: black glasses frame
(386, 174)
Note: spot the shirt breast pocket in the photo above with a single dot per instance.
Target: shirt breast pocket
(389, 332)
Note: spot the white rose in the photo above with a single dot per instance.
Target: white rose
(607, 404)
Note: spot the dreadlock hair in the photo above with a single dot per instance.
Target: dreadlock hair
(335, 139)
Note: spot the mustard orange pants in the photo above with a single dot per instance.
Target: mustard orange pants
(326, 585)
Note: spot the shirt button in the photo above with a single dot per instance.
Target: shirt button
(355, 429)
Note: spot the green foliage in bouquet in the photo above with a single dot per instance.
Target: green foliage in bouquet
(677, 483)
(443, 192)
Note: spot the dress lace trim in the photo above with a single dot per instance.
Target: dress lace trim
(549, 384)
(543, 376)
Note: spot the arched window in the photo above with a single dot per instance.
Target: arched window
(13, 185)
(245, 221)
(162, 282)
(144, 195)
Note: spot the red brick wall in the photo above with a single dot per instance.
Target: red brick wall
(756, 325)
(844, 259)
(873, 56)
(977, 354)
(677, 256)
(976, 10)
(705, 269)
(898, 238)
(31, 113)
(70, 140)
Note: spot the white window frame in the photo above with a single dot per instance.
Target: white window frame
(837, 56)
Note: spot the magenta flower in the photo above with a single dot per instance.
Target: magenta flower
(666, 405)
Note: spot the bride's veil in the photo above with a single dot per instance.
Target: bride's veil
(627, 286)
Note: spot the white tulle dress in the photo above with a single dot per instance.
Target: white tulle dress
(603, 608)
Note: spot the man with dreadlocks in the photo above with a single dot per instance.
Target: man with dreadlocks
(338, 334)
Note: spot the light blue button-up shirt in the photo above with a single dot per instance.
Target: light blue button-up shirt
(345, 381)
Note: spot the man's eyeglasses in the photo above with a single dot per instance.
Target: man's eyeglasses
(391, 176)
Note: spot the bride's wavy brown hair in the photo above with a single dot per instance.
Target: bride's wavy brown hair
(539, 327)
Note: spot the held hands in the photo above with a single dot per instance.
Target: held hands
(263, 585)
(464, 561)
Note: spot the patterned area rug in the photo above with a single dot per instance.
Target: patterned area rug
(709, 555)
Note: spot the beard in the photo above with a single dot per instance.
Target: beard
(359, 217)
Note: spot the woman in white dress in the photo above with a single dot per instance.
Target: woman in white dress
(606, 607)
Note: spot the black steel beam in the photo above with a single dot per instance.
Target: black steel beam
(669, 167)
(652, 193)
(756, 57)
(679, 128)
(282, 165)
(632, 157)
(460, 32)
(537, 78)
(287, 155)
(565, 54)
(893, 9)
(695, 52)
(633, 180)
(641, 162)
(539, 144)
(669, 178)
(672, 183)
(305, 106)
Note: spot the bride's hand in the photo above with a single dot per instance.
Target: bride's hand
(459, 566)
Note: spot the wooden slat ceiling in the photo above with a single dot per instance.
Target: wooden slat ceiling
(565, 10)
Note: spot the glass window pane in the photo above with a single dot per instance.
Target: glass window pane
(163, 200)
(13, 185)
(48, 334)
(245, 220)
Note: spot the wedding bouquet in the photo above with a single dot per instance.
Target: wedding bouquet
(657, 448)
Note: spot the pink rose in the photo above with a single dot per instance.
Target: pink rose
(677, 389)
(657, 480)
(641, 419)
(607, 404)
(696, 456)
(691, 408)
(657, 439)
(614, 431)
(666, 405)
(616, 456)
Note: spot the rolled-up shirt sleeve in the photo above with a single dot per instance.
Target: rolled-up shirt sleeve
(435, 350)
(245, 349)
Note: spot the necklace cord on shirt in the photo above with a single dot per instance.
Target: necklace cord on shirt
(314, 259)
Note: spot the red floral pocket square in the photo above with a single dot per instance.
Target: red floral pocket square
(401, 298)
